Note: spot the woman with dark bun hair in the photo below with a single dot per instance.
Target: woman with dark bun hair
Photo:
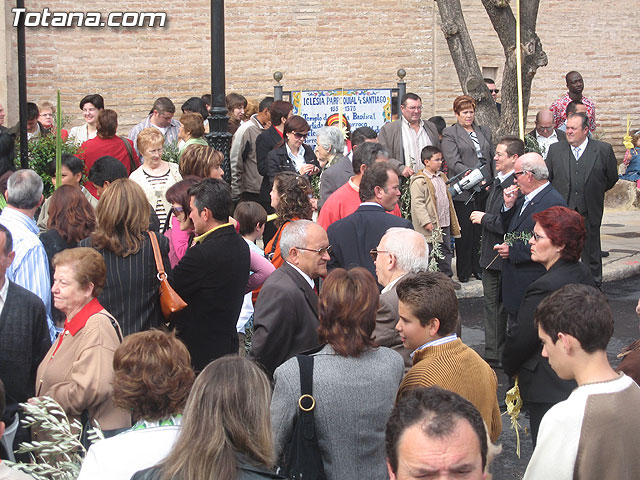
(557, 242)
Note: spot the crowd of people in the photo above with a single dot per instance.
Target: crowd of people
(302, 280)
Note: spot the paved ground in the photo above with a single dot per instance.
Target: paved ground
(620, 234)
(620, 237)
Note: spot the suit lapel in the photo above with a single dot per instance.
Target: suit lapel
(525, 213)
(464, 136)
(588, 159)
(566, 159)
(309, 294)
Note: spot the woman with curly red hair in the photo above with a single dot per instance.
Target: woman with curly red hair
(351, 409)
(557, 242)
(152, 380)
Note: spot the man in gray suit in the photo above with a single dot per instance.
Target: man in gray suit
(582, 170)
(400, 251)
(406, 137)
(286, 312)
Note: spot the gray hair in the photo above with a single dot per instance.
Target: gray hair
(295, 235)
(409, 247)
(24, 189)
(331, 139)
(536, 166)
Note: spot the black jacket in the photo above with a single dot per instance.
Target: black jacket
(493, 229)
(266, 142)
(212, 278)
(518, 271)
(246, 471)
(522, 350)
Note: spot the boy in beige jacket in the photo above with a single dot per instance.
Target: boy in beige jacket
(432, 207)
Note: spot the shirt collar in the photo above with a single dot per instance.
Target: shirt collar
(304, 275)
(431, 175)
(17, 215)
(583, 145)
(503, 176)
(201, 238)
(4, 290)
(371, 203)
(433, 343)
(392, 283)
(75, 324)
(406, 123)
(546, 139)
(531, 195)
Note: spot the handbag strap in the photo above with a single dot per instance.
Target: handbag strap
(156, 253)
(127, 145)
(306, 402)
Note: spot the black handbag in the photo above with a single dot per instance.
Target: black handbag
(302, 458)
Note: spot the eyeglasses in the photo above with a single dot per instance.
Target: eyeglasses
(537, 237)
(177, 210)
(374, 253)
(319, 251)
(413, 109)
(544, 129)
(300, 136)
(521, 172)
(495, 90)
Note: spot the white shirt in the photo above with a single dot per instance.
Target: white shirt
(413, 142)
(392, 284)
(305, 276)
(531, 195)
(3, 293)
(433, 343)
(580, 148)
(503, 176)
(546, 142)
(298, 160)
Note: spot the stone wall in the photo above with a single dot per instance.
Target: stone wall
(317, 45)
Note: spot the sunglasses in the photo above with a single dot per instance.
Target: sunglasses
(495, 90)
(177, 210)
(319, 251)
(374, 253)
(300, 136)
(517, 174)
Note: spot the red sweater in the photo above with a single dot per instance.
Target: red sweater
(341, 203)
(97, 147)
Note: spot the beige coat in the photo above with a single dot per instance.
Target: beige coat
(423, 206)
(80, 374)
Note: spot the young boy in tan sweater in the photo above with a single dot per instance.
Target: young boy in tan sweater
(432, 207)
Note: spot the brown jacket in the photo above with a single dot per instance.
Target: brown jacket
(79, 375)
(423, 206)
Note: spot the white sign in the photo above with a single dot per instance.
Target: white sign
(371, 108)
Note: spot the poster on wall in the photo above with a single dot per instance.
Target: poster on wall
(371, 108)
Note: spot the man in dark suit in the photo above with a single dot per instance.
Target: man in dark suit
(286, 312)
(212, 276)
(518, 270)
(404, 145)
(353, 237)
(582, 170)
(24, 337)
(544, 134)
(265, 142)
(508, 150)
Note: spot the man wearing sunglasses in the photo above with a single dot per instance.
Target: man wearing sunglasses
(493, 90)
(544, 133)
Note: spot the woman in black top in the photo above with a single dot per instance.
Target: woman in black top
(122, 238)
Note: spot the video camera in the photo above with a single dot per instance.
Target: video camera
(471, 180)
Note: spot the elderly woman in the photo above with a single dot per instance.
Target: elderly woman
(90, 106)
(107, 142)
(152, 379)
(464, 146)
(292, 154)
(155, 175)
(77, 372)
(342, 374)
(337, 169)
(122, 238)
(201, 161)
(290, 197)
(191, 131)
(46, 118)
(557, 242)
(226, 432)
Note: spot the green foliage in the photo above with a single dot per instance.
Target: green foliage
(170, 152)
(512, 237)
(531, 145)
(405, 200)
(58, 452)
(435, 253)
(42, 151)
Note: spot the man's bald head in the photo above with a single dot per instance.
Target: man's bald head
(544, 123)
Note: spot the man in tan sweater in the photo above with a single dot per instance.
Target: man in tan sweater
(428, 310)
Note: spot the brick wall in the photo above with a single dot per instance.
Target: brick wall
(319, 44)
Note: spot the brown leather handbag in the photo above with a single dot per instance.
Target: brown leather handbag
(170, 301)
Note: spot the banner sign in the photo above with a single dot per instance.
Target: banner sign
(371, 108)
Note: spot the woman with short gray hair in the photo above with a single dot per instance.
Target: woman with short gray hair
(337, 168)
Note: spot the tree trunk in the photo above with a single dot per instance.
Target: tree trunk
(466, 63)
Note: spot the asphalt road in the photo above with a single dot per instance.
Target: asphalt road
(623, 296)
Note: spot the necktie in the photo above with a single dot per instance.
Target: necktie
(576, 152)
(524, 205)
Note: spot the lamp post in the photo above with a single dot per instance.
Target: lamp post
(22, 90)
(402, 87)
(277, 88)
(218, 136)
